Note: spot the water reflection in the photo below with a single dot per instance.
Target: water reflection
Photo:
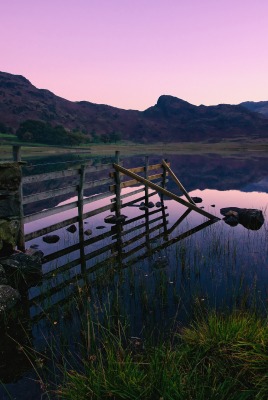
(161, 262)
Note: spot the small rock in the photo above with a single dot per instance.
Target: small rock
(231, 220)
(71, 228)
(8, 298)
(51, 238)
(212, 205)
(197, 199)
(143, 208)
(88, 232)
(34, 246)
(150, 204)
(158, 204)
(100, 227)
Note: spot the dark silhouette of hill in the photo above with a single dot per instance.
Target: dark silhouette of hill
(257, 106)
(169, 120)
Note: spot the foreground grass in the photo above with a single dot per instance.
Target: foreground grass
(217, 357)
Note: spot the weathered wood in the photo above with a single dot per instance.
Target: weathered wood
(165, 192)
(49, 194)
(138, 227)
(117, 205)
(71, 171)
(47, 213)
(140, 169)
(177, 181)
(130, 203)
(20, 238)
(97, 183)
(49, 229)
(98, 211)
(143, 235)
(134, 182)
(177, 223)
(74, 247)
(135, 219)
(80, 196)
(96, 197)
(51, 175)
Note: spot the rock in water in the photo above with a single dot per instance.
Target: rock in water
(197, 199)
(250, 218)
(72, 228)
(51, 238)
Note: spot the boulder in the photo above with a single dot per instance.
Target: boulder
(23, 268)
(113, 219)
(72, 228)
(250, 218)
(197, 199)
(8, 236)
(51, 238)
(3, 278)
(8, 298)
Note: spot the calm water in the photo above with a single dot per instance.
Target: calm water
(163, 273)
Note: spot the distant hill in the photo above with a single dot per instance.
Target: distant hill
(258, 106)
(170, 119)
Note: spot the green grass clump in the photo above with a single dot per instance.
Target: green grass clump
(217, 357)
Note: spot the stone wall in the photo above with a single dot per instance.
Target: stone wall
(10, 181)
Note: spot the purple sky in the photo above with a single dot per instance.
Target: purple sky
(127, 53)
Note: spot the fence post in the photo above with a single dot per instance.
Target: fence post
(80, 205)
(16, 149)
(117, 186)
(146, 191)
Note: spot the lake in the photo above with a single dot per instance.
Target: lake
(156, 270)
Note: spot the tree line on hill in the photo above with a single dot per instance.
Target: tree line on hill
(43, 132)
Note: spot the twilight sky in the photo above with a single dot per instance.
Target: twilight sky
(127, 53)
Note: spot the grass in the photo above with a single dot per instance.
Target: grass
(225, 147)
(217, 357)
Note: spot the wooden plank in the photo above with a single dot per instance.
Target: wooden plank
(62, 224)
(165, 192)
(51, 228)
(51, 175)
(98, 168)
(50, 193)
(135, 219)
(130, 203)
(64, 207)
(99, 182)
(138, 227)
(74, 247)
(123, 196)
(49, 212)
(178, 183)
(142, 235)
(134, 182)
(80, 201)
(20, 239)
(100, 196)
(98, 211)
(71, 171)
(177, 223)
(140, 169)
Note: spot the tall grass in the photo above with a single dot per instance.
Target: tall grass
(216, 357)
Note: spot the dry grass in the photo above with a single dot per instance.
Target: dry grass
(243, 147)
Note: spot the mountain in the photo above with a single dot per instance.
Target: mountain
(258, 106)
(170, 119)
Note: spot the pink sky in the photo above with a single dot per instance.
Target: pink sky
(127, 53)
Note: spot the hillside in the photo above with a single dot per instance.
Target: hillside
(171, 119)
(258, 106)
